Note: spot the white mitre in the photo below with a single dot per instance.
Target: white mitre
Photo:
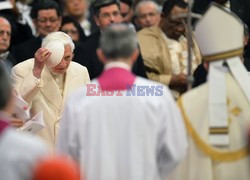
(219, 35)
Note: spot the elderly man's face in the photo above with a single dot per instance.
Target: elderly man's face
(47, 21)
(62, 67)
(108, 15)
(148, 16)
(76, 8)
(5, 33)
(174, 27)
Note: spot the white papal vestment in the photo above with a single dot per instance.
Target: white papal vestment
(224, 163)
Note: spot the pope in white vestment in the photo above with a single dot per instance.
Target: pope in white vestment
(48, 92)
(217, 113)
(119, 134)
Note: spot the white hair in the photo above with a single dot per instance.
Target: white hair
(144, 2)
(59, 36)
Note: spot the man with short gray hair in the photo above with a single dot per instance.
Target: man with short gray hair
(148, 13)
(46, 87)
(132, 128)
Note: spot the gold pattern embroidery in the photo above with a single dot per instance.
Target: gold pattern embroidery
(236, 111)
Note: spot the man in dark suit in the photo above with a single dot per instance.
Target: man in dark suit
(106, 12)
(47, 18)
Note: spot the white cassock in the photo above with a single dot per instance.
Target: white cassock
(123, 137)
(19, 153)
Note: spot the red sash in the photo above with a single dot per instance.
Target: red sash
(3, 126)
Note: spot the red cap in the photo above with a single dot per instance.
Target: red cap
(56, 168)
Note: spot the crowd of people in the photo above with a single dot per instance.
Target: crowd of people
(117, 105)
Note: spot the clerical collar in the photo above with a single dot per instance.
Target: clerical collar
(118, 64)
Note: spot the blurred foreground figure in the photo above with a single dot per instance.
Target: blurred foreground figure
(217, 113)
(122, 126)
(19, 152)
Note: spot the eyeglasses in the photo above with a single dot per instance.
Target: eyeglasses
(44, 20)
(70, 31)
(109, 15)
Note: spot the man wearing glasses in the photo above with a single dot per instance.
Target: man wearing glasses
(47, 18)
(164, 48)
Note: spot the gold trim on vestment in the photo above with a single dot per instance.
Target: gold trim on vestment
(224, 55)
(218, 130)
(214, 154)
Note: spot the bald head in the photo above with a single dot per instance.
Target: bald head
(5, 33)
(4, 21)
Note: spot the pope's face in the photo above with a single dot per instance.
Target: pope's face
(62, 67)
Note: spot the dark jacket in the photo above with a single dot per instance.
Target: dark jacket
(26, 49)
